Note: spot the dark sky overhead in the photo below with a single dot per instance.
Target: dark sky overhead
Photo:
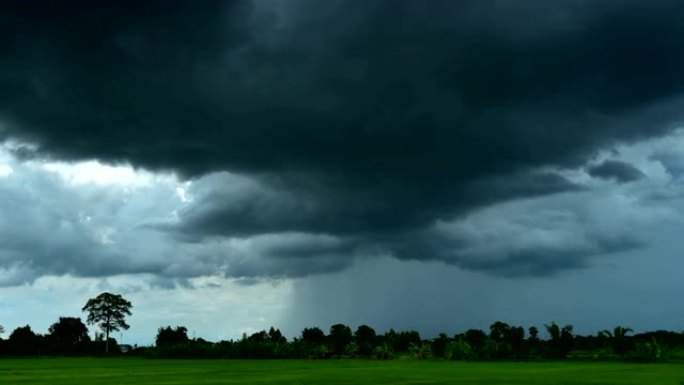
(283, 140)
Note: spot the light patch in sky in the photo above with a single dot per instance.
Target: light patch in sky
(5, 170)
(106, 234)
(211, 307)
(182, 193)
(94, 172)
(5, 161)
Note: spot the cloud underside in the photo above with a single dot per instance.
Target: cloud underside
(620, 171)
(315, 132)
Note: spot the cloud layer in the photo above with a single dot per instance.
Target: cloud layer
(317, 132)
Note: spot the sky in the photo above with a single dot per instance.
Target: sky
(438, 166)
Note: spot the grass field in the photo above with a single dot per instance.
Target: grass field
(94, 371)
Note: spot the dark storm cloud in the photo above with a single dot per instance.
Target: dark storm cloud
(233, 205)
(621, 172)
(356, 119)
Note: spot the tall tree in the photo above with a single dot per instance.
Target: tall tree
(313, 335)
(439, 345)
(534, 333)
(476, 339)
(403, 340)
(108, 311)
(23, 341)
(498, 331)
(340, 336)
(365, 339)
(533, 342)
(562, 340)
(499, 346)
(276, 336)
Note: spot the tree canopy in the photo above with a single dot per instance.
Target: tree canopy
(69, 335)
(168, 336)
(340, 336)
(108, 311)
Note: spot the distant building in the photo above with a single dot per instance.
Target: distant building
(125, 348)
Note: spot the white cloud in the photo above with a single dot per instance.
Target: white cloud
(183, 195)
(94, 172)
(5, 170)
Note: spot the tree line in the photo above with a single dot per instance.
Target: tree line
(501, 342)
(69, 336)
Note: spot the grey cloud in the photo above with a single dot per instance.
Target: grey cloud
(52, 227)
(355, 122)
(516, 254)
(622, 172)
(237, 206)
(539, 237)
(277, 255)
(673, 163)
(541, 261)
(49, 227)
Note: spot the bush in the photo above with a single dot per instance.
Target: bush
(383, 352)
(652, 351)
(459, 350)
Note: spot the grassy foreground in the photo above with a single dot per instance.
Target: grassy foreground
(93, 371)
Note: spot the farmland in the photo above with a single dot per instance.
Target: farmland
(100, 371)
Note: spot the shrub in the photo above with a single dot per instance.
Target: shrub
(459, 350)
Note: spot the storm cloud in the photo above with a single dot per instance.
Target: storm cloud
(314, 132)
(620, 171)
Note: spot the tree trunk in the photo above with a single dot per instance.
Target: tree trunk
(107, 342)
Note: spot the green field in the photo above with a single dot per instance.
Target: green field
(93, 371)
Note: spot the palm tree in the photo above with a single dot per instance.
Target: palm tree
(618, 332)
(562, 340)
(424, 350)
(619, 340)
(383, 351)
(553, 330)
